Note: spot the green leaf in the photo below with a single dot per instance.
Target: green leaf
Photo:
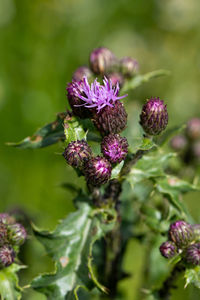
(149, 166)
(45, 136)
(192, 276)
(147, 144)
(73, 130)
(172, 187)
(140, 79)
(70, 246)
(9, 288)
(116, 170)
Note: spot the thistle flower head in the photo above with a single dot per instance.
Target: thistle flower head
(168, 249)
(97, 170)
(7, 256)
(114, 147)
(181, 233)
(192, 254)
(116, 78)
(154, 116)
(98, 96)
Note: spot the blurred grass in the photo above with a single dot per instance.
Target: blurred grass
(42, 43)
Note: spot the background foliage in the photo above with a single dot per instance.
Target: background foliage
(42, 43)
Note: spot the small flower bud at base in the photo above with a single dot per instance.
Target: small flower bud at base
(77, 153)
(181, 233)
(168, 249)
(7, 256)
(192, 254)
(97, 170)
(114, 148)
(101, 60)
(17, 234)
(154, 116)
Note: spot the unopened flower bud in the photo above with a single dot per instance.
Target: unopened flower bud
(97, 170)
(154, 116)
(192, 254)
(81, 72)
(168, 249)
(129, 66)
(116, 78)
(181, 233)
(17, 234)
(77, 153)
(74, 90)
(101, 60)
(3, 233)
(193, 128)
(7, 256)
(111, 119)
(178, 143)
(114, 148)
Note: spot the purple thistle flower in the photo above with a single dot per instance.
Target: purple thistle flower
(114, 148)
(98, 96)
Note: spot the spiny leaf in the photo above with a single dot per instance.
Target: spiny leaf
(45, 136)
(116, 170)
(140, 79)
(149, 166)
(172, 187)
(73, 130)
(9, 288)
(192, 276)
(70, 247)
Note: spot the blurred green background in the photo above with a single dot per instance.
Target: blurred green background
(41, 43)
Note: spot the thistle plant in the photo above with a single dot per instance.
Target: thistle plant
(129, 192)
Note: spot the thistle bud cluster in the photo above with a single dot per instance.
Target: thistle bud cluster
(188, 143)
(101, 102)
(183, 238)
(97, 169)
(12, 235)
